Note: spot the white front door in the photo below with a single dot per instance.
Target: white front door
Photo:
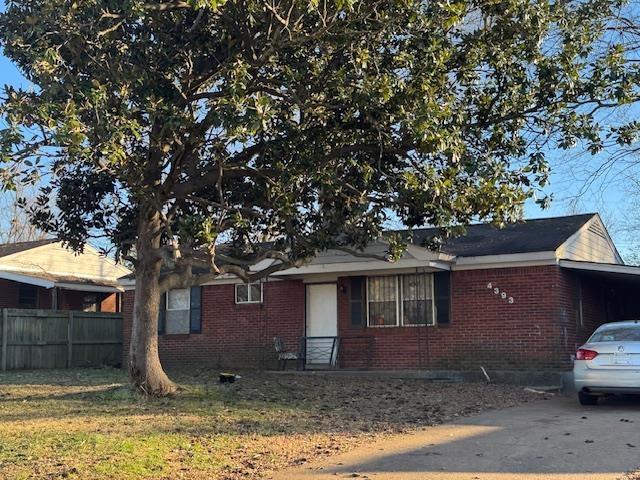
(322, 322)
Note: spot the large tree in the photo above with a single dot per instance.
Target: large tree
(202, 137)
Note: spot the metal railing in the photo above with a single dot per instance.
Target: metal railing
(320, 352)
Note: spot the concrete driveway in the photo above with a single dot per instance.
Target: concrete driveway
(552, 439)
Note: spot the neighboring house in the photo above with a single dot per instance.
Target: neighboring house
(520, 298)
(43, 274)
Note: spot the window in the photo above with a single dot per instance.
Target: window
(90, 303)
(400, 300)
(180, 312)
(617, 334)
(249, 292)
(177, 316)
(27, 296)
(417, 299)
(382, 293)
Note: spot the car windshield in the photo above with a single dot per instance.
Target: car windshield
(619, 334)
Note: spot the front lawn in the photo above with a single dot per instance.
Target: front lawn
(88, 424)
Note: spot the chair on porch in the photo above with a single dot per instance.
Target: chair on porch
(283, 355)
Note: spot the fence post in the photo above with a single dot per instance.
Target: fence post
(5, 334)
(70, 339)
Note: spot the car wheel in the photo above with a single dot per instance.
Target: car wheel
(586, 399)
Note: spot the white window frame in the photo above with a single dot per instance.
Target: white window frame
(397, 324)
(433, 302)
(399, 309)
(188, 310)
(249, 300)
(176, 309)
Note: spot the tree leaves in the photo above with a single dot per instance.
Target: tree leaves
(301, 124)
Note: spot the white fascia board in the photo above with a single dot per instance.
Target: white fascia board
(505, 261)
(79, 287)
(129, 284)
(16, 277)
(332, 277)
(600, 267)
(359, 267)
(232, 280)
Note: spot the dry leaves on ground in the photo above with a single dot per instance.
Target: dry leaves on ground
(88, 424)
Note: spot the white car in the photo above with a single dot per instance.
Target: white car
(609, 363)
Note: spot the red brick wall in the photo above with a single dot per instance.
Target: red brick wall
(538, 331)
(67, 299)
(234, 335)
(9, 295)
(110, 302)
(74, 300)
(594, 308)
(485, 330)
(70, 300)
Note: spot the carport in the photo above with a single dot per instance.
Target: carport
(608, 291)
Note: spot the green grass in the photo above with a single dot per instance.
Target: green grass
(88, 424)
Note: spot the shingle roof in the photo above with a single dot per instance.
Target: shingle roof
(526, 236)
(11, 248)
(537, 235)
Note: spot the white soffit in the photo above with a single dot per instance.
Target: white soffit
(600, 267)
(84, 287)
(29, 280)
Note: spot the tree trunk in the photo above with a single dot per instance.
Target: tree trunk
(145, 369)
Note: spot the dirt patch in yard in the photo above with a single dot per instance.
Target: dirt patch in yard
(88, 424)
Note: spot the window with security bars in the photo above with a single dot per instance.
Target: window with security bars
(417, 299)
(382, 295)
(394, 300)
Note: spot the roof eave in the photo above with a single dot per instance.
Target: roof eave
(600, 267)
(29, 280)
(505, 260)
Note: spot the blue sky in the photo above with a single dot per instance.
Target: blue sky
(609, 196)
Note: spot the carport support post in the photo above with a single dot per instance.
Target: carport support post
(5, 334)
(70, 339)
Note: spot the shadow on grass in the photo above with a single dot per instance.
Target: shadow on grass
(63, 377)
(257, 404)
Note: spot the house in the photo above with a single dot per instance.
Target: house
(519, 298)
(44, 275)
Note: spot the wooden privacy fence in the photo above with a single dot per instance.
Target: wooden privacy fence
(59, 339)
